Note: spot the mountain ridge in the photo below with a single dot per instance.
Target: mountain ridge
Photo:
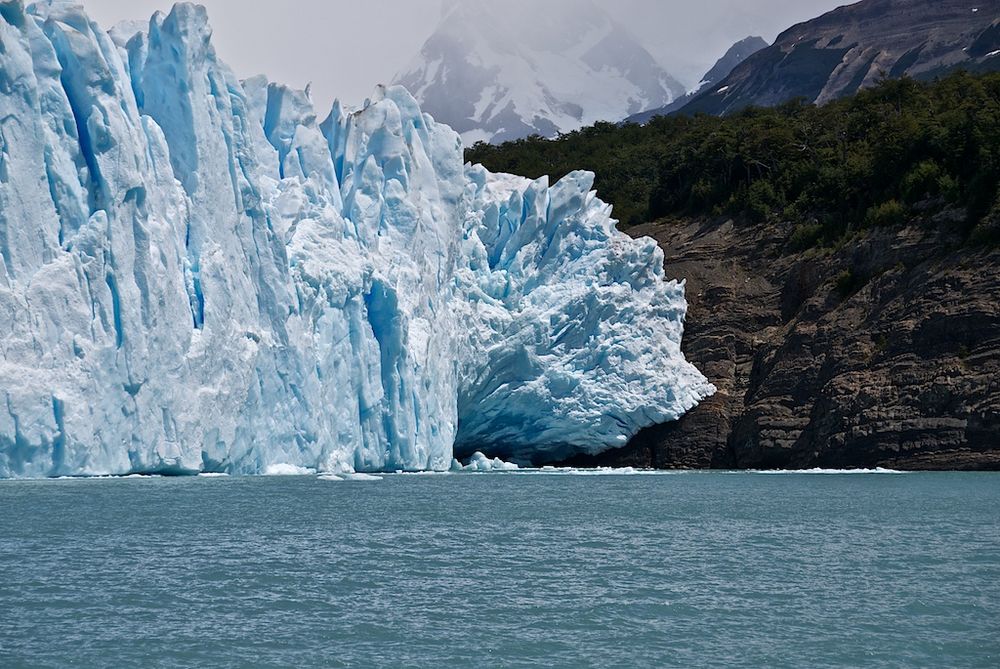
(852, 47)
(733, 57)
(493, 79)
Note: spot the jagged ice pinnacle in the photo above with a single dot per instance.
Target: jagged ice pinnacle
(196, 274)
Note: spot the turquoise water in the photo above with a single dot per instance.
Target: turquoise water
(673, 570)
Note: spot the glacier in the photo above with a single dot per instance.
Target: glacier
(200, 274)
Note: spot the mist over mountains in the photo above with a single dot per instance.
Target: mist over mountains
(493, 76)
(736, 55)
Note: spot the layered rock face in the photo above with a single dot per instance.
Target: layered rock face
(883, 354)
(197, 274)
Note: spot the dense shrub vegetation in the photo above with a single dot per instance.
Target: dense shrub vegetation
(870, 160)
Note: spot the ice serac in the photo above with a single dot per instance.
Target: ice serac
(199, 274)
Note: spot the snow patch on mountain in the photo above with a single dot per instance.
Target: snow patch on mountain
(493, 76)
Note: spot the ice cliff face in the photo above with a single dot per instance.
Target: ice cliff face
(197, 274)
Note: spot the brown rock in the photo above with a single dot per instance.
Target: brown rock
(904, 373)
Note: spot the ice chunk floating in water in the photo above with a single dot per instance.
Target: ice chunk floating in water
(200, 274)
(480, 463)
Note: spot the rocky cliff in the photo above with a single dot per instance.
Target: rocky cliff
(884, 352)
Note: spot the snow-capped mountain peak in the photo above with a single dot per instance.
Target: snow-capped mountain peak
(494, 76)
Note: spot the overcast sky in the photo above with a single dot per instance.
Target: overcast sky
(346, 47)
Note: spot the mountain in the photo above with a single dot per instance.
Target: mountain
(852, 47)
(492, 75)
(197, 274)
(736, 54)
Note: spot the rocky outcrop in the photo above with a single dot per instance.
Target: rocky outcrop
(882, 353)
(854, 46)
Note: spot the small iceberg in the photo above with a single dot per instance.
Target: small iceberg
(480, 463)
(599, 471)
(348, 476)
(361, 477)
(285, 469)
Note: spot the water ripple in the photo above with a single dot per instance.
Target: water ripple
(503, 571)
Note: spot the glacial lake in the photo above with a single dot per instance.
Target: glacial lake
(503, 570)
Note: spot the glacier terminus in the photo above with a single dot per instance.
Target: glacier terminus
(202, 274)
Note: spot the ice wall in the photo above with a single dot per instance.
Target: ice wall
(198, 274)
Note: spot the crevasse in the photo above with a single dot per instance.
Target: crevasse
(197, 274)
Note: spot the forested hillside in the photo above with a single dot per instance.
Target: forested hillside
(869, 160)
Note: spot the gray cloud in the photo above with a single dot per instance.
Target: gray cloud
(345, 47)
